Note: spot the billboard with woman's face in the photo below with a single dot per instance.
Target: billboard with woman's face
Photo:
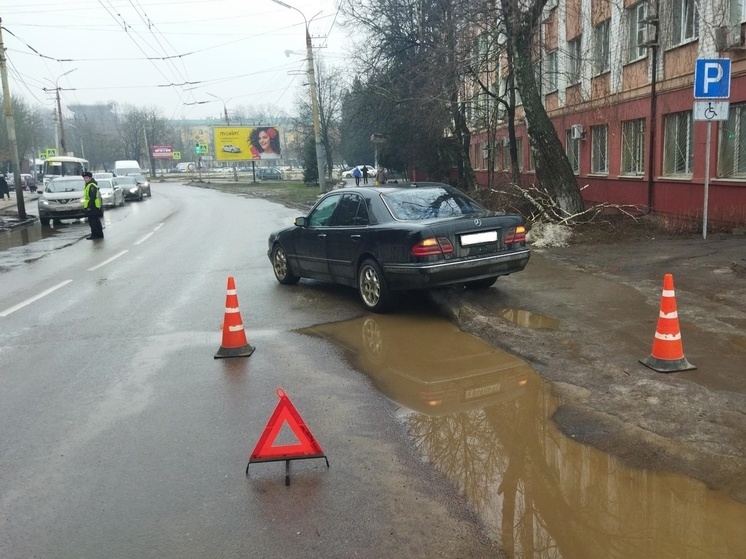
(244, 143)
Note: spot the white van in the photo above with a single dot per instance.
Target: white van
(125, 167)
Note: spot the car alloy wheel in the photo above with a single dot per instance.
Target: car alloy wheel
(374, 292)
(281, 267)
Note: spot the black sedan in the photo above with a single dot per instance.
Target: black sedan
(386, 239)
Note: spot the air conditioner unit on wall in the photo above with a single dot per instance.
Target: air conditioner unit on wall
(648, 35)
(729, 38)
(577, 132)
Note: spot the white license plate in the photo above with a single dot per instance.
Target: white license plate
(479, 238)
(483, 391)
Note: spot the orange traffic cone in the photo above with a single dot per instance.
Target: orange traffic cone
(234, 343)
(668, 353)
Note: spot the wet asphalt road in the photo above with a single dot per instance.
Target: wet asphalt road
(124, 438)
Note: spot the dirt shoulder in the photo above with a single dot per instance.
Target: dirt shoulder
(583, 315)
(605, 299)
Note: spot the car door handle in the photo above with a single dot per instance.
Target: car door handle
(355, 237)
(322, 235)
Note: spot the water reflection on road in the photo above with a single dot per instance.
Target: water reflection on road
(482, 417)
(28, 244)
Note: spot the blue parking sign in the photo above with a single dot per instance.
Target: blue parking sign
(712, 78)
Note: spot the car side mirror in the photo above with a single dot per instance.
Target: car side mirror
(300, 221)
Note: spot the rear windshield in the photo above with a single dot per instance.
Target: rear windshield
(425, 203)
(66, 185)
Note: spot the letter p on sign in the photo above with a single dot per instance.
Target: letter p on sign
(712, 78)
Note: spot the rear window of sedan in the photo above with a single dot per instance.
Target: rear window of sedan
(66, 185)
(427, 203)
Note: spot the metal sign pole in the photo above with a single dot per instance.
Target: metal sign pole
(707, 179)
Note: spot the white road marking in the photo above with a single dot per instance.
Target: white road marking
(145, 238)
(105, 262)
(6, 312)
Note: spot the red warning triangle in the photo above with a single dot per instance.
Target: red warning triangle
(285, 414)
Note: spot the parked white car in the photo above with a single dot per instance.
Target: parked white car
(371, 171)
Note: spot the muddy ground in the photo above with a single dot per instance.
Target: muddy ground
(583, 315)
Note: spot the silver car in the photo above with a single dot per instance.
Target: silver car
(62, 198)
(111, 193)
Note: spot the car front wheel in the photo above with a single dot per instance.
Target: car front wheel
(281, 267)
(372, 286)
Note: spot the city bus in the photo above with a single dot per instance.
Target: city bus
(63, 166)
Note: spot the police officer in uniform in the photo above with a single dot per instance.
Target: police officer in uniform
(92, 204)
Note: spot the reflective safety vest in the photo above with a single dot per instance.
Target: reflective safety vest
(87, 197)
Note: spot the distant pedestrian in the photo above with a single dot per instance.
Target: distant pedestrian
(4, 188)
(93, 206)
(381, 176)
(357, 174)
(364, 170)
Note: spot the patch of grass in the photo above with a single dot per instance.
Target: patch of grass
(292, 194)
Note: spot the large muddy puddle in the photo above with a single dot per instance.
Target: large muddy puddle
(482, 417)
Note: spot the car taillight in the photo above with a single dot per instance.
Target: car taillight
(515, 235)
(432, 246)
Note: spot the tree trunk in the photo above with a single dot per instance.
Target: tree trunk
(553, 169)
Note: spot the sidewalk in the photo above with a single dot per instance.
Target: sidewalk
(9, 211)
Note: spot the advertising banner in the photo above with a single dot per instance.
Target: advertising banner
(163, 152)
(244, 143)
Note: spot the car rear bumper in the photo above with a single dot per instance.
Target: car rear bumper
(424, 275)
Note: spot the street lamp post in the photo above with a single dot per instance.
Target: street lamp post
(320, 164)
(227, 123)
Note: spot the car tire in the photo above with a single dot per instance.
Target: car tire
(281, 267)
(483, 283)
(140, 197)
(150, 194)
(372, 286)
(45, 221)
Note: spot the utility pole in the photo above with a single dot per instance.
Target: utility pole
(227, 123)
(10, 124)
(63, 147)
(320, 159)
(151, 161)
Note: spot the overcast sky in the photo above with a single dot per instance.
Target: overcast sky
(234, 49)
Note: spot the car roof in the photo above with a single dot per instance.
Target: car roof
(392, 186)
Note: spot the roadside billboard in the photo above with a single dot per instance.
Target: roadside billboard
(244, 143)
(162, 152)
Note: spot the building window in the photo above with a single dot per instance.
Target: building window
(732, 155)
(685, 21)
(638, 30)
(602, 56)
(551, 71)
(519, 151)
(633, 147)
(600, 154)
(574, 61)
(531, 159)
(572, 148)
(678, 144)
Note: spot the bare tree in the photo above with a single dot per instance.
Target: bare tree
(553, 170)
